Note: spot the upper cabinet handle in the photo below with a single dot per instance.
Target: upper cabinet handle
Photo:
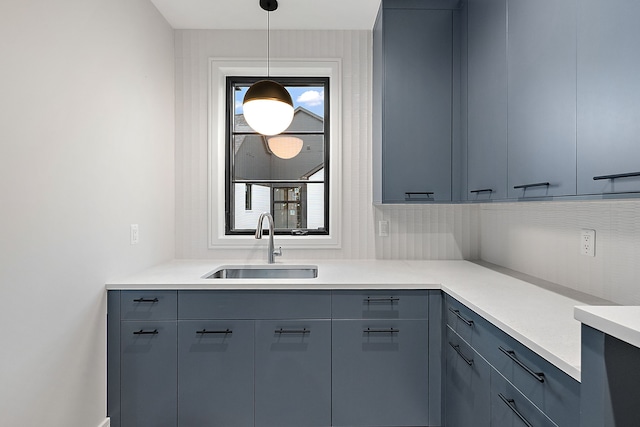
(145, 300)
(457, 313)
(620, 175)
(426, 195)
(537, 184)
(484, 190)
(512, 355)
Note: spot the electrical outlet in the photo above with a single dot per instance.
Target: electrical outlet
(588, 242)
(134, 235)
(383, 228)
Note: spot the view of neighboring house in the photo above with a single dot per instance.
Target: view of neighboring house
(294, 205)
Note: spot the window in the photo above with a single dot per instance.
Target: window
(294, 190)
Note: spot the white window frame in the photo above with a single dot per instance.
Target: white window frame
(219, 70)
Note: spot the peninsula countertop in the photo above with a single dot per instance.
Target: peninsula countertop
(540, 317)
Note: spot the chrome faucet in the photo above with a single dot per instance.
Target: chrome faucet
(271, 251)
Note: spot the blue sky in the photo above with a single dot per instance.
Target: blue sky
(311, 98)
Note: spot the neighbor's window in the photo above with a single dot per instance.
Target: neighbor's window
(294, 190)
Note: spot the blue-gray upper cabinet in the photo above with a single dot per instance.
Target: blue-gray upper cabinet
(293, 373)
(486, 100)
(608, 96)
(412, 107)
(541, 46)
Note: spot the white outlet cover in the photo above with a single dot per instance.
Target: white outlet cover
(588, 242)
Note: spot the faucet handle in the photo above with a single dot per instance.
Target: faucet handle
(278, 252)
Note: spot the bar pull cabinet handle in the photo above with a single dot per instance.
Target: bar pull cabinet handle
(512, 355)
(459, 316)
(484, 190)
(512, 405)
(456, 347)
(380, 331)
(292, 331)
(615, 176)
(152, 300)
(382, 299)
(143, 332)
(204, 331)
(537, 184)
(424, 195)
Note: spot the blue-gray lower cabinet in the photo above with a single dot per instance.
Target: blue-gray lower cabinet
(380, 372)
(529, 385)
(148, 376)
(292, 373)
(610, 379)
(467, 384)
(215, 373)
(252, 358)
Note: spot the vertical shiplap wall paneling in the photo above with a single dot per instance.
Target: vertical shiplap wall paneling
(542, 239)
(428, 232)
(194, 48)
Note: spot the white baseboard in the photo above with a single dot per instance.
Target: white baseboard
(105, 423)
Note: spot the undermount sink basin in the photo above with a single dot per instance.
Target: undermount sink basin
(269, 271)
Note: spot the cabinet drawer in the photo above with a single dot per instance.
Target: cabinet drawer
(148, 305)
(510, 408)
(380, 304)
(254, 304)
(473, 328)
(550, 389)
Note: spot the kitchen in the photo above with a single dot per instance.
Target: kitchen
(104, 125)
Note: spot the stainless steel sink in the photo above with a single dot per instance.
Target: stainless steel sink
(270, 271)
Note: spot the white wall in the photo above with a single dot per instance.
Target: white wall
(542, 239)
(86, 148)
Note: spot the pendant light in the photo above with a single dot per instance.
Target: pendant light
(267, 106)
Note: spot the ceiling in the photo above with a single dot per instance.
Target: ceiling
(290, 15)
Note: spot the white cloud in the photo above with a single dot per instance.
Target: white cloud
(311, 98)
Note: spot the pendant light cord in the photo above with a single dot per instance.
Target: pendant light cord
(268, 43)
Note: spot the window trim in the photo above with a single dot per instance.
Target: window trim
(229, 168)
(219, 70)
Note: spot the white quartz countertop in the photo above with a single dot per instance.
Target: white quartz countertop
(622, 322)
(539, 318)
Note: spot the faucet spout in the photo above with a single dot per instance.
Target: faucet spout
(271, 252)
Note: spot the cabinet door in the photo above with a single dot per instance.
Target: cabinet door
(293, 373)
(608, 95)
(215, 365)
(416, 134)
(509, 407)
(467, 385)
(380, 373)
(148, 374)
(542, 97)
(487, 99)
